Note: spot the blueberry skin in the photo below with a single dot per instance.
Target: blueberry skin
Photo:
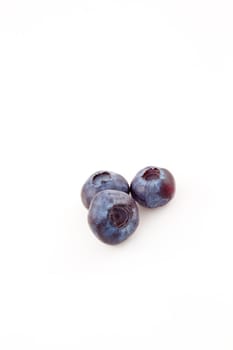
(113, 216)
(153, 187)
(100, 181)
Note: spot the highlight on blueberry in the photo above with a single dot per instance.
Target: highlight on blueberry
(100, 181)
(113, 216)
(153, 187)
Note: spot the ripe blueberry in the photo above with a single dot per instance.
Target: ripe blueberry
(113, 216)
(100, 181)
(153, 187)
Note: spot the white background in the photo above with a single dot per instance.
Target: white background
(115, 85)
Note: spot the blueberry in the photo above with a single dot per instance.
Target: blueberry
(100, 181)
(153, 187)
(113, 216)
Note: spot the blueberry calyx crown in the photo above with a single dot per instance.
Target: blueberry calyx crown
(151, 174)
(101, 178)
(119, 215)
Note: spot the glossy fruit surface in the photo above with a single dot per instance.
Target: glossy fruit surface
(153, 187)
(113, 216)
(100, 181)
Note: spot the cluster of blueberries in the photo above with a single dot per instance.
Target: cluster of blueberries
(113, 213)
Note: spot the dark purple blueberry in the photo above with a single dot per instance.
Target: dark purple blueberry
(100, 181)
(113, 216)
(153, 187)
